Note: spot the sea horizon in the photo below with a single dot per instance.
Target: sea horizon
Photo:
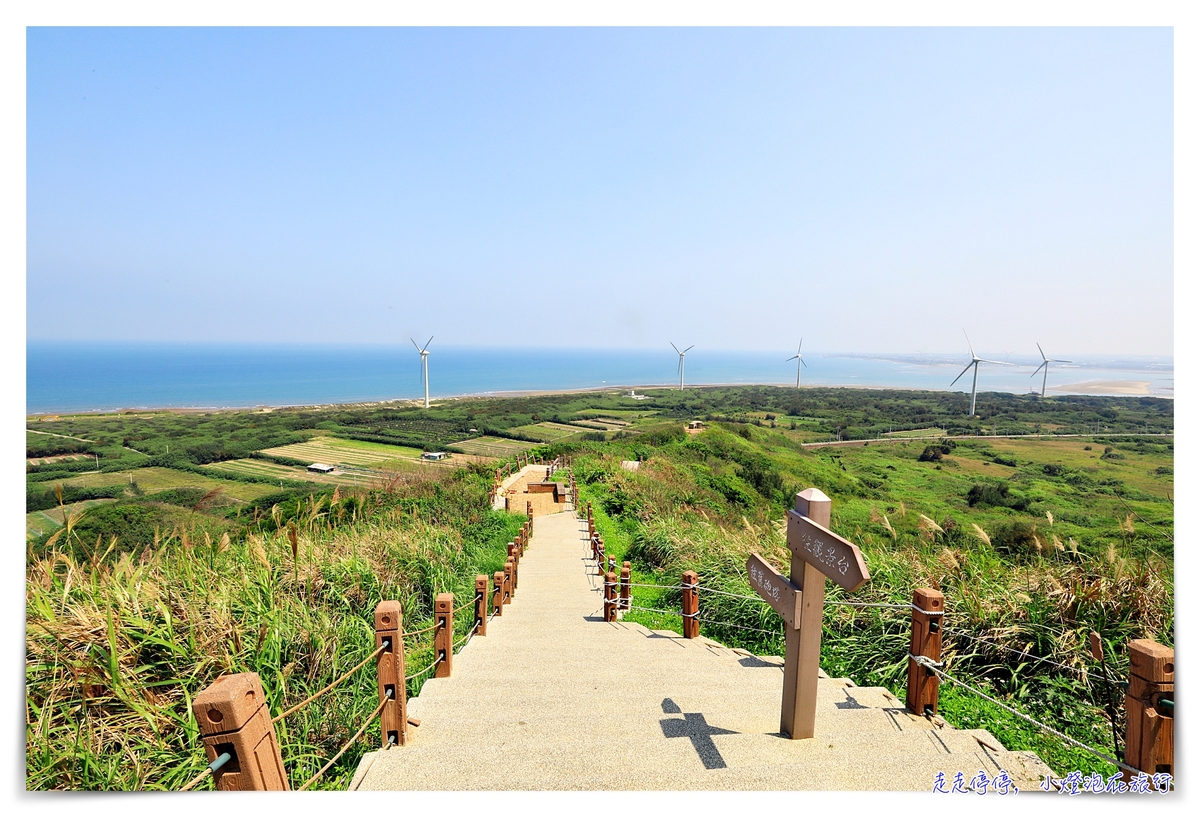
(91, 376)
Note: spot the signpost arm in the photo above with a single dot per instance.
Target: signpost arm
(802, 655)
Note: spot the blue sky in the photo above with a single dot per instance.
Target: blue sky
(869, 189)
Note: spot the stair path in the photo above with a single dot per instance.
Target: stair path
(554, 698)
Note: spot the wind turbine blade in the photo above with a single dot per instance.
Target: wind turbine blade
(968, 346)
(997, 362)
(960, 374)
(793, 357)
(1052, 360)
(414, 343)
(802, 363)
(676, 348)
(426, 346)
(1039, 346)
(1039, 368)
(690, 348)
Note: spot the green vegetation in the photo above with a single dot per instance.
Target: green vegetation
(164, 555)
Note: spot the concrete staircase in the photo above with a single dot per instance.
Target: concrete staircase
(554, 698)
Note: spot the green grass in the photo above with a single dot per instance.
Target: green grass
(154, 479)
(492, 446)
(118, 645)
(334, 451)
(285, 473)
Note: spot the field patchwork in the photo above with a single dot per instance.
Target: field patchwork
(154, 479)
(492, 446)
(547, 432)
(337, 451)
(271, 470)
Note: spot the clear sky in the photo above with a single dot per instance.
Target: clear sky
(736, 188)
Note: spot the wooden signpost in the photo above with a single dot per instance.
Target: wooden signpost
(817, 553)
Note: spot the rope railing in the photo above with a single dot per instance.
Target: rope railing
(348, 744)
(935, 668)
(436, 661)
(924, 611)
(316, 695)
(211, 768)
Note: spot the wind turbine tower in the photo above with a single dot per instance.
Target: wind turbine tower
(975, 361)
(424, 366)
(799, 358)
(681, 354)
(1045, 367)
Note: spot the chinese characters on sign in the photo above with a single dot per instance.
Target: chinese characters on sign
(837, 558)
(777, 591)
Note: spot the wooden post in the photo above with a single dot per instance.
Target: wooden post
(233, 717)
(625, 589)
(691, 604)
(481, 601)
(514, 557)
(389, 673)
(803, 644)
(443, 636)
(610, 596)
(508, 581)
(498, 593)
(1149, 723)
(529, 508)
(922, 694)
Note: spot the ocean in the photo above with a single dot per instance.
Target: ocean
(78, 376)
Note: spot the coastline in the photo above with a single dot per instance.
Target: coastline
(1089, 389)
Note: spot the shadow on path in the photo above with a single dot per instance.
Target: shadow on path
(693, 726)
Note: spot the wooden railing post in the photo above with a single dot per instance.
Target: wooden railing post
(929, 605)
(498, 592)
(514, 556)
(508, 581)
(443, 636)
(481, 603)
(691, 604)
(1149, 722)
(625, 589)
(233, 717)
(610, 596)
(389, 673)
(529, 508)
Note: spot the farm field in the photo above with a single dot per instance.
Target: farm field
(338, 451)
(270, 470)
(42, 522)
(154, 478)
(492, 446)
(547, 432)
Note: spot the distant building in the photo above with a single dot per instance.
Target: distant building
(322, 468)
(434, 455)
(695, 425)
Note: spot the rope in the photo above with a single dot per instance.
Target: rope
(468, 603)
(655, 610)
(470, 635)
(660, 586)
(741, 627)
(467, 636)
(1081, 670)
(418, 632)
(929, 664)
(722, 592)
(349, 743)
(874, 604)
(422, 672)
(209, 769)
(316, 695)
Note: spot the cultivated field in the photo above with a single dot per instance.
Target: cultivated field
(547, 432)
(337, 451)
(154, 479)
(270, 470)
(492, 446)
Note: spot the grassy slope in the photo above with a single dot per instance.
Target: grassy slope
(668, 517)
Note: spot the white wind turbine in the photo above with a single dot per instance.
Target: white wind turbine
(424, 366)
(681, 354)
(1046, 361)
(799, 358)
(975, 361)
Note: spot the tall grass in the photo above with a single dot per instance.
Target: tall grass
(119, 643)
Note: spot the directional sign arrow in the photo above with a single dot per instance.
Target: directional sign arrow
(783, 596)
(838, 558)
